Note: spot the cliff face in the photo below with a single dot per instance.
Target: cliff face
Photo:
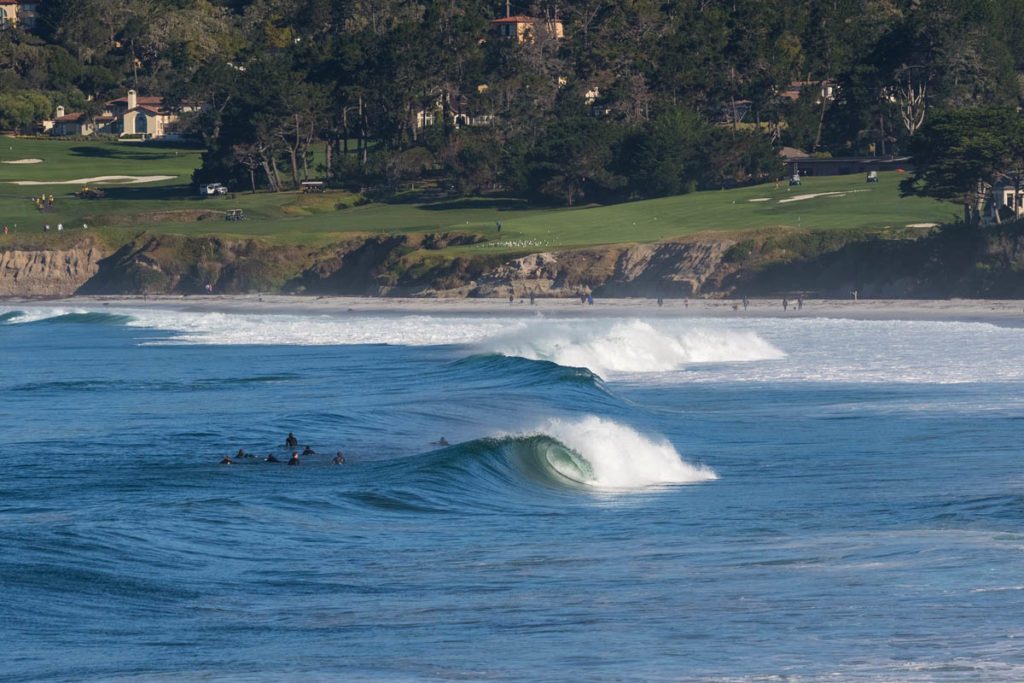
(956, 261)
(47, 273)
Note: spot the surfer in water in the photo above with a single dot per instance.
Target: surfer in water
(291, 441)
(295, 459)
(441, 442)
(271, 458)
(339, 459)
(308, 451)
(227, 461)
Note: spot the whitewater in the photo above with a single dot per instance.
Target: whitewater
(525, 496)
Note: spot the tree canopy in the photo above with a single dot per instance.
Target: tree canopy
(596, 100)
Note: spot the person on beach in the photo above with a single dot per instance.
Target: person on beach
(785, 304)
(590, 299)
(800, 303)
(271, 458)
(308, 451)
(533, 298)
(661, 302)
(686, 302)
(295, 459)
(511, 298)
(339, 459)
(291, 441)
(746, 302)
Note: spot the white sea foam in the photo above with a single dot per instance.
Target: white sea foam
(664, 349)
(622, 458)
(631, 345)
(602, 346)
(35, 314)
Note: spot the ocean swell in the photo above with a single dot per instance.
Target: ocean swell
(511, 470)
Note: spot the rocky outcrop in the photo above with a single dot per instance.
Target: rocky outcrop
(46, 272)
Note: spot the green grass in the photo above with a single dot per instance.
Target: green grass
(172, 206)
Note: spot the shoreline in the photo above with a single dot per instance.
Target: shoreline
(1008, 313)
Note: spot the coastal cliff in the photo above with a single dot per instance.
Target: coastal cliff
(953, 261)
(47, 272)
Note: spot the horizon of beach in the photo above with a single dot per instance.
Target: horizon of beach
(999, 312)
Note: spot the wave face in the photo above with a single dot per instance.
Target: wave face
(604, 454)
(632, 346)
(512, 471)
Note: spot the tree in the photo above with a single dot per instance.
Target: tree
(958, 155)
(662, 159)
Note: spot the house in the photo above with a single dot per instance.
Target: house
(18, 13)
(799, 162)
(8, 13)
(1007, 199)
(74, 124)
(524, 29)
(144, 118)
(826, 90)
(131, 117)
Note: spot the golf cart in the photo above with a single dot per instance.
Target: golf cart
(312, 187)
(235, 215)
(872, 176)
(794, 179)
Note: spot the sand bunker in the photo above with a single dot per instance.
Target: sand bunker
(105, 179)
(802, 197)
(760, 199)
(922, 225)
(24, 161)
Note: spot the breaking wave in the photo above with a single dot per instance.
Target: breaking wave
(632, 346)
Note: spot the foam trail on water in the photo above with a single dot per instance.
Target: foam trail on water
(35, 314)
(632, 346)
(619, 457)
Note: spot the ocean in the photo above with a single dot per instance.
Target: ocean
(622, 498)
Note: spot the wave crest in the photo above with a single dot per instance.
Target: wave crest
(606, 454)
(632, 346)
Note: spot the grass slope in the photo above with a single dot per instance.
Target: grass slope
(172, 206)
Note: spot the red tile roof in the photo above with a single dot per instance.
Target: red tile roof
(519, 19)
(152, 101)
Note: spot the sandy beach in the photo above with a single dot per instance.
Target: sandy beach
(999, 312)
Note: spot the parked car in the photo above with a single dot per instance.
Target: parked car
(212, 189)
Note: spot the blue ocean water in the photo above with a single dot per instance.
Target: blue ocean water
(621, 499)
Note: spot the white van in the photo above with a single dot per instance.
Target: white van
(211, 189)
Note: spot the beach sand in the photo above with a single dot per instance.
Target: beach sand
(998, 312)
